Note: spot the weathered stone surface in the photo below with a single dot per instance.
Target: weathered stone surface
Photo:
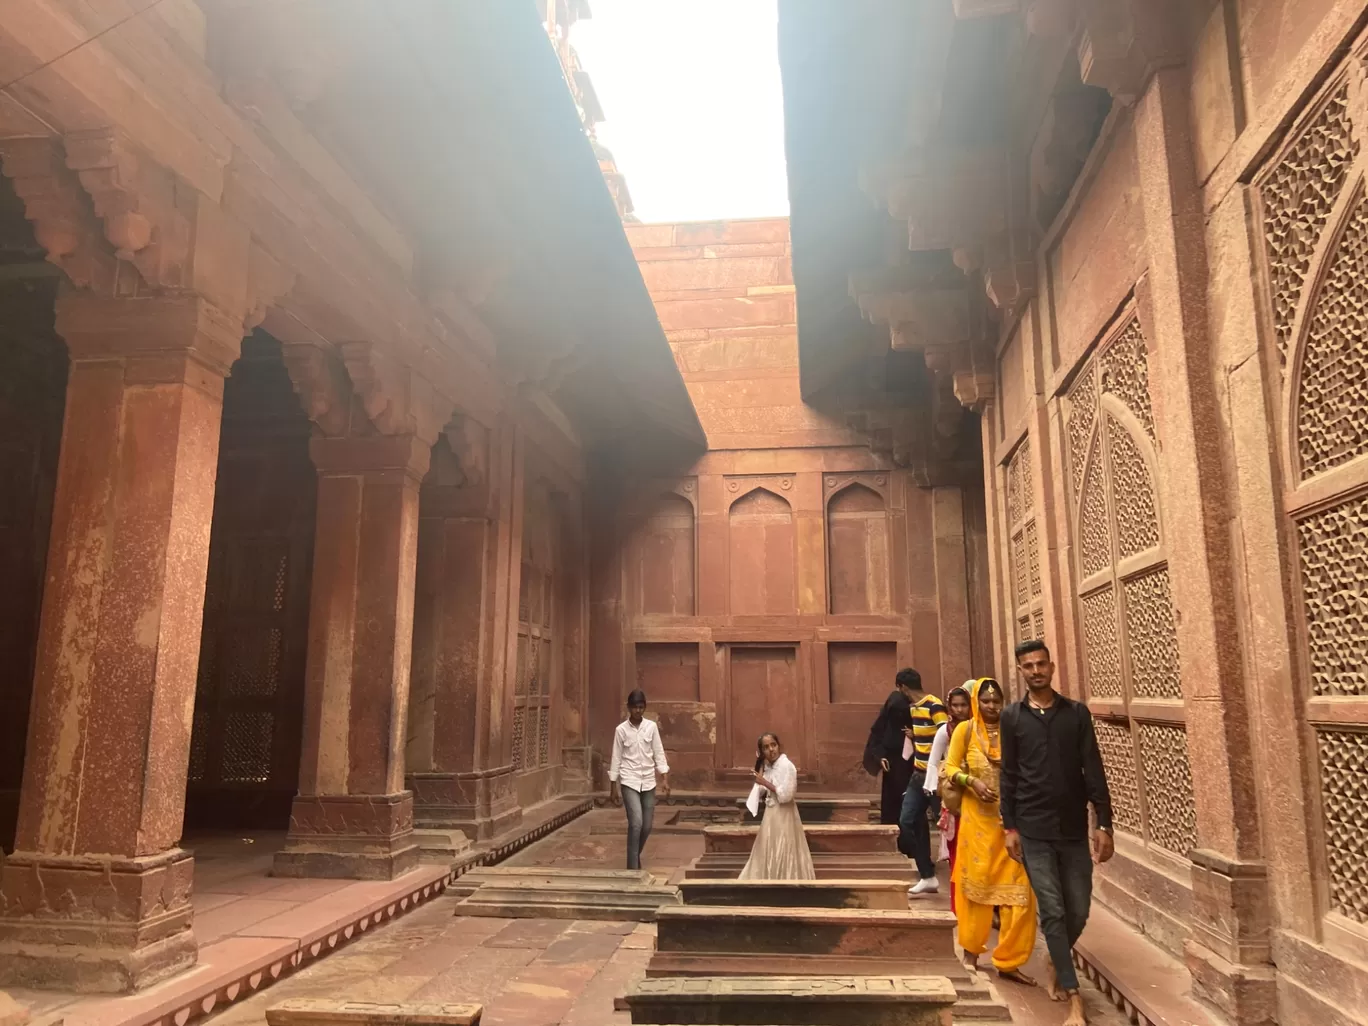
(851, 893)
(568, 900)
(12, 1013)
(827, 867)
(322, 1012)
(795, 1000)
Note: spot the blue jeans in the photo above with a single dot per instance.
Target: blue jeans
(640, 806)
(1061, 876)
(914, 833)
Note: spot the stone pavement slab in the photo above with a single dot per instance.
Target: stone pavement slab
(795, 1000)
(318, 1012)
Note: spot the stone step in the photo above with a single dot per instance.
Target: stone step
(324, 1012)
(837, 893)
(822, 810)
(822, 838)
(567, 899)
(926, 935)
(545, 876)
(885, 1000)
(827, 867)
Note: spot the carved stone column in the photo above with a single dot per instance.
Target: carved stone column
(352, 817)
(461, 781)
(96, 896)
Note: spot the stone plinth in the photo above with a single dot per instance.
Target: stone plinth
(321, 1012)
(726, 941)
(856, 893)
(821, 810)
(822, 838)
(795, 1001)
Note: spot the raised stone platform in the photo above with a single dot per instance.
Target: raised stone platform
(891, 867)
(538, 892)
(850, 893)
(322, 1012)
(794, 1001)
(693, 940)
(822, 838)
(823, 810)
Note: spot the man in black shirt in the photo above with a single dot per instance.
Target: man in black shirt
(1051, 770)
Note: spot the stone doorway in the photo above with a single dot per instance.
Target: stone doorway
(764, 693)
(249, 697)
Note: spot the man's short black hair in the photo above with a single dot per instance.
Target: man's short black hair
(1033, 645)
(637, 697)
(909, 678)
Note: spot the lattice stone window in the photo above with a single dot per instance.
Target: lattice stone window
(1130, 646)
(1315, 222)
(1028, 602)
(535, 672)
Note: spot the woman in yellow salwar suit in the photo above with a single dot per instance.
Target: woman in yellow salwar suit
(986, 877)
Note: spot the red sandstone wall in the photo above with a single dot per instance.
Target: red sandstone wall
(780, 581)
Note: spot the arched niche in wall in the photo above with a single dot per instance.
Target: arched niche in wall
(858, 551)
(661, 561)
(763, 579)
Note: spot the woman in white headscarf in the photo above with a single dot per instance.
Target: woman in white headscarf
(781, 850)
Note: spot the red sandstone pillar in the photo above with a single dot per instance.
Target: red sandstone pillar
(352, 817)
(459, 774)
(96, 896)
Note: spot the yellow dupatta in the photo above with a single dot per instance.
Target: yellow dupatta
(983, 869)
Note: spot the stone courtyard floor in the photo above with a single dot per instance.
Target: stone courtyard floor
(539, 972)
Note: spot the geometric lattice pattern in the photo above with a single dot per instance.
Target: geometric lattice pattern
(1334, 581)
(1137, 523)
(1021, 585)
(1297, 198)
(1082, 410)
(1168, 787)
(519, 726)
(1118, 758)
(1033, 559)
(1344, 785)
(1151, 639)
(1125, 373)
(1332, 398)
(1094, 527)
(246, 741)
(1102, 648)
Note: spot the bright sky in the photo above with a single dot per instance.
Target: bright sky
(690, 90)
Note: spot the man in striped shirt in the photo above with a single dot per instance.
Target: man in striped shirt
(914, 837)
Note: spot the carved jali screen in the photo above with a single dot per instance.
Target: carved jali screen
(1315, 224)
(1028, 602)
(1130, 647)
(249, 699)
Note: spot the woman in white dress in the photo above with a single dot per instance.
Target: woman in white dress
(781, 850)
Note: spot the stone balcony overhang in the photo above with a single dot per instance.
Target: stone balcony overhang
(948, 130)
(414, 175)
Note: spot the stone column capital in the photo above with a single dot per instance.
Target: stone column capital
(160, 339)
(396, 397)
(377, 456)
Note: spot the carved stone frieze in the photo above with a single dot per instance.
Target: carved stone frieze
(469, 441)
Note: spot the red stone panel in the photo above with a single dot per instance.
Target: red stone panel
(762, 556)
(861, 671)
(765, 696)
(668, 671)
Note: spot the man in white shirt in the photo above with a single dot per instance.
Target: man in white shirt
(637, 756)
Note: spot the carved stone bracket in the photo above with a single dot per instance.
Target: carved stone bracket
(268, 281)
(59, 210)
(469, 441)
(949, 198)
(1124, 42)
(396, 398)
(322, 385)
